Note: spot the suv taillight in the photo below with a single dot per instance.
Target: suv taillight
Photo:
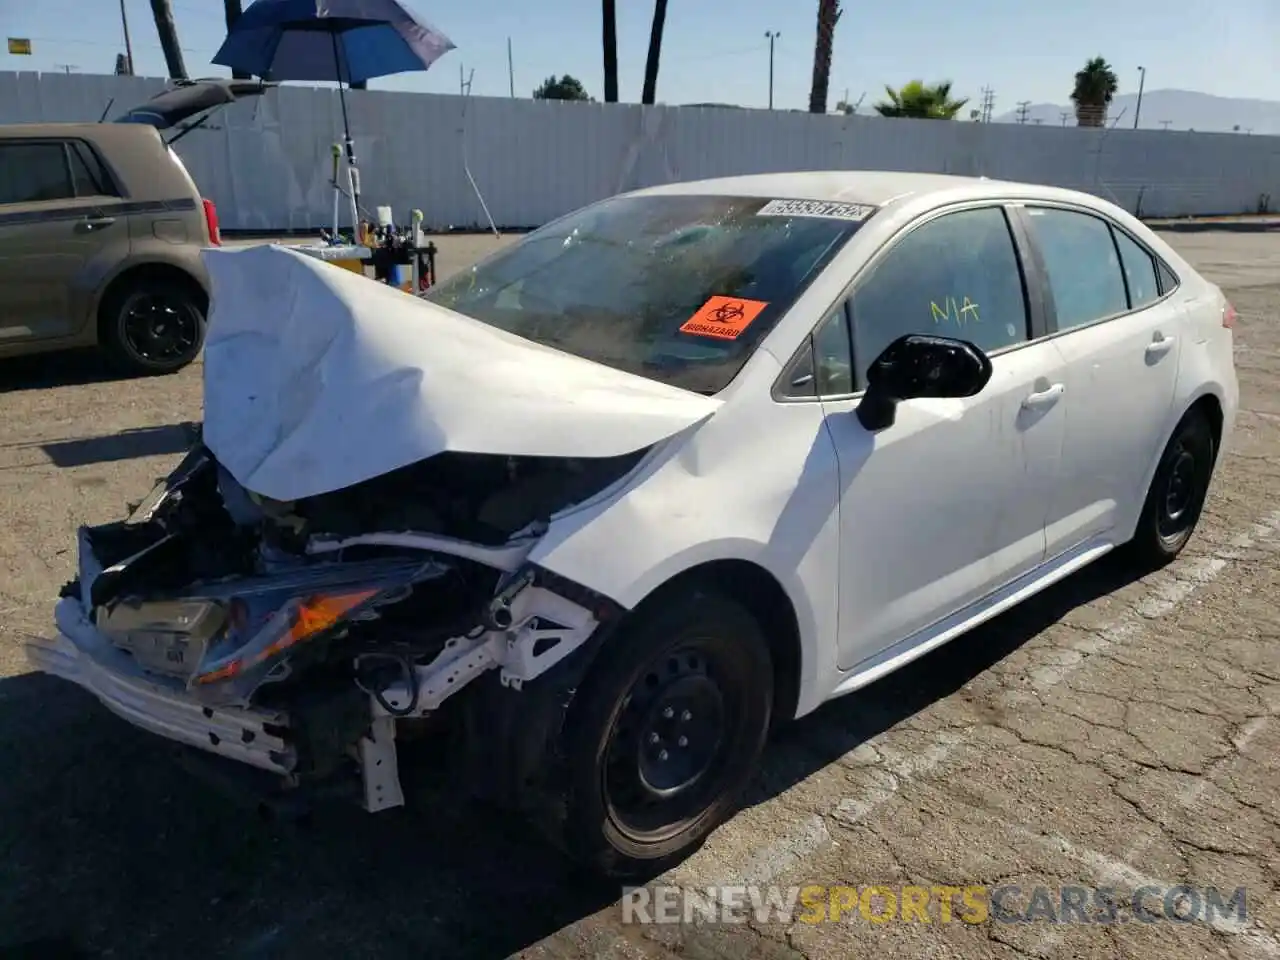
(211, 221)
(1228, 315)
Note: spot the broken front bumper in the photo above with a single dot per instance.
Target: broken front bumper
(81, 654)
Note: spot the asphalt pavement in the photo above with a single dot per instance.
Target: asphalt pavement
(1111, 732)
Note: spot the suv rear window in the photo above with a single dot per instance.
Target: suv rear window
(32, 172)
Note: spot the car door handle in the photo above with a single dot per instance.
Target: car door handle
(1160, 346)
(1044, 398)
(90, 224)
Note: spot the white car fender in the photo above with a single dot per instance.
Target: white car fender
(757, 482)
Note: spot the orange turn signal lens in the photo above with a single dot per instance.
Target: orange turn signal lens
(314, 615)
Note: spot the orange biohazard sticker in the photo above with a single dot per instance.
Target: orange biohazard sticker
(723, 318)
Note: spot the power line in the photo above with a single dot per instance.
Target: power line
(1024, 110)
(113, 44)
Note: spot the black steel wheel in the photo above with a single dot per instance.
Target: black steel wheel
(154, 326)
(666, 732)
(1177, 493)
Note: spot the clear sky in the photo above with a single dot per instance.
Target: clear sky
(716, 50)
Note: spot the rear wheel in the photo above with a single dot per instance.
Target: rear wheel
(1177, 493)
(153, 326)
(667, 731)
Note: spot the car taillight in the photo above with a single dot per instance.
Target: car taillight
(211, 221)
(1228, 315)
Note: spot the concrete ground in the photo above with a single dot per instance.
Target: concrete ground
(1109, 732)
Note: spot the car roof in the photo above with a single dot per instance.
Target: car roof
(874, 187)
(87, 131)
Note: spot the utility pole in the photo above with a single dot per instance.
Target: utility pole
(511, 69)
(1024, 110)
(1065, 115)
(67, 67)
(1165, 124)
(987, 105)
(1142, 82)
(128, 46)
(773, 36)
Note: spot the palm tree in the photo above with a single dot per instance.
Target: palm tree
(828, 13)
(233, 12)
(610, 10)
(162, 11)
(1095, 87)
(655, 52)
(922, 101)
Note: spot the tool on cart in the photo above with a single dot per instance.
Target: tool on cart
(401, 257)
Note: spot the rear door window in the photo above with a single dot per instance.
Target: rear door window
(34, 172)
(1083, 266)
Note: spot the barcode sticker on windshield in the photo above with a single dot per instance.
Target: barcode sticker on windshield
(828, 209)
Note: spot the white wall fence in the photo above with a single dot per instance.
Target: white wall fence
(266, 162)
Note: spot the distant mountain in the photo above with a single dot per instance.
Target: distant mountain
(1183, 109)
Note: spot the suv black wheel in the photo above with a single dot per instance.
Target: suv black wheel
(1177, 493)
(666, 732)
(153, 326)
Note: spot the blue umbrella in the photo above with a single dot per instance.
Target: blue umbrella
(349, 41)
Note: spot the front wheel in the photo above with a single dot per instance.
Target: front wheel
(1177, 493)
(668, 729)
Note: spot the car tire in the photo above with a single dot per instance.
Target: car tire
(664, 735)
(1177, 493)
(153, 326)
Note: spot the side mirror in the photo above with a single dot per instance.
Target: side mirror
(917, 365)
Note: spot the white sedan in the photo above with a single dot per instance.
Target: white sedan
(676, 465)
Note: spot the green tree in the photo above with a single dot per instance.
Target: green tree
(566, 88)
(828, 13)
(1096, 85)
(921, 101)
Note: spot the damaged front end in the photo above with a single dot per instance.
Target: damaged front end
(293, 637)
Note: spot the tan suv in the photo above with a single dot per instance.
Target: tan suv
(101, 228)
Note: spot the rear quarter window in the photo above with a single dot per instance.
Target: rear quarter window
(1139, 271)
(34, 172)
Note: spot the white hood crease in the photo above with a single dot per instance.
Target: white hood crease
(316, 378)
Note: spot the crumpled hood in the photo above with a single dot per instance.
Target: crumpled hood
(316, 378)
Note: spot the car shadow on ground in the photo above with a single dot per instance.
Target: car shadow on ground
(70, 368)
(112, 849)
(126, 445)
